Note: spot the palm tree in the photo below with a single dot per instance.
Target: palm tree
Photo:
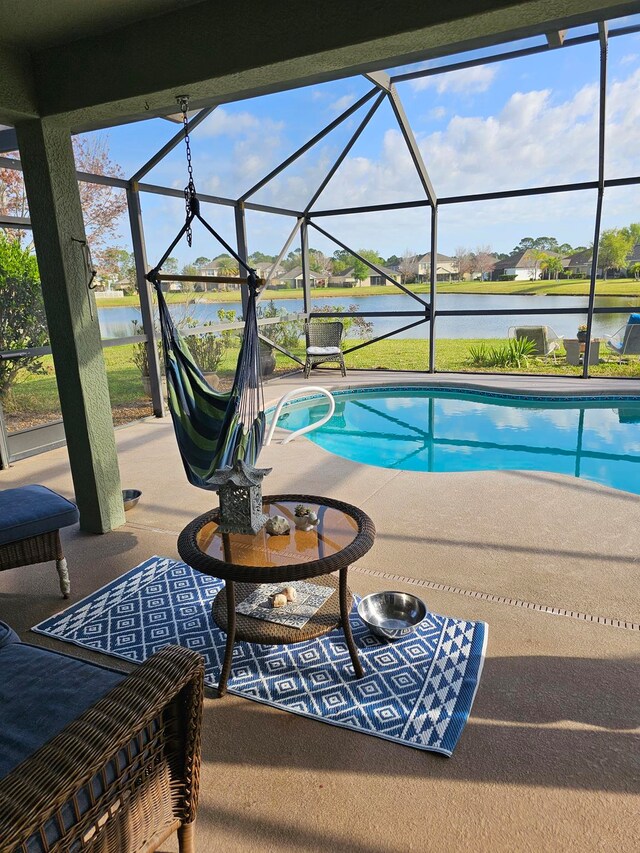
(553, 266)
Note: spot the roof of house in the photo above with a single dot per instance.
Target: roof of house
(296, 272)
(521, 260)
(580, 258)
(348, 273)
(442, 259)
(634, 255)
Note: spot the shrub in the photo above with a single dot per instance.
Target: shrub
(139, 350)
(513, 353)
(286, 334)
(357, 327)
(22, 319)
(208, 349)
(506, 277)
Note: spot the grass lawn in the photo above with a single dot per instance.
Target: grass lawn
(34, 398)
(613, 287)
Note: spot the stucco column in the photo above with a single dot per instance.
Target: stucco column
(56, 217)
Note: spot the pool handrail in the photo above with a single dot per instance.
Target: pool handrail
(285, 399)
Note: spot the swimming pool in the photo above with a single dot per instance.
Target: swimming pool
(450, 429)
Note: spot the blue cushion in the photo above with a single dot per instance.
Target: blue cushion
(30, 510)
(633, 319)
(40, 693)
(7, 635)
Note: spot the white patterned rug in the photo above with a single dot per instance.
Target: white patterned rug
(417, 691)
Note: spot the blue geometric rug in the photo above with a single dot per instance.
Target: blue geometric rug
(416, 691)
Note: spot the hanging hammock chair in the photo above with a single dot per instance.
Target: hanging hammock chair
(213, 429)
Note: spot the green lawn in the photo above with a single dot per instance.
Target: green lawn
(34, 398)
(615, 287)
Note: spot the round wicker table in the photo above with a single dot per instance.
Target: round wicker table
(343, 534)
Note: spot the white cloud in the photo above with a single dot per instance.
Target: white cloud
(342, 103)
(466, 80)
(228, 123)
(629, 58)
(534, 138)
(438, 112)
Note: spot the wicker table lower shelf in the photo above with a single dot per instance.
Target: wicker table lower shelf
(254, 630)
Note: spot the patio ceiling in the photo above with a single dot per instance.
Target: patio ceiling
(109, 61)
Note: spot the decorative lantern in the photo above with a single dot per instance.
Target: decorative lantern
(240, 493)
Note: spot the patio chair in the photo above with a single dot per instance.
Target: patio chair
(626, 341)
(546, 340)
(323, 344)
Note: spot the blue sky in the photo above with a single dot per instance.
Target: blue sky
(525, 122)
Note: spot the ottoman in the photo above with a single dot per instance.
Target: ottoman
(30, 522)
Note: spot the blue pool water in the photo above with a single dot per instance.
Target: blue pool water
(445, 429)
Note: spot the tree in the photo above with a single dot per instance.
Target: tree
(552, 265)
(261, 258)
(632, 231)
(22, 320)
(484, 260)
(634, 270)
(537, 256)
(228, 266)
(544, 244)
(201, 261)
(524, 244)
(102, 205)
(341, 260)
(189, 269)
(171, 265)
(465, 261)
(615, 244)
(408, 266)
(22, 317)
(319, 262)
(362, 270)
(293, 260)
(118, 266)
(393, 261)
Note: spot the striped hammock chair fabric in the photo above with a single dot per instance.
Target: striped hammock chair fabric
(214, 429)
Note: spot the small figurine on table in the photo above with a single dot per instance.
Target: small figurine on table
(305, 518)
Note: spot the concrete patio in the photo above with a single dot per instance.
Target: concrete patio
(549, 757)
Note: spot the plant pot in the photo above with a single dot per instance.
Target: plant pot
(146, 384)
(213, 379)
(267, 361)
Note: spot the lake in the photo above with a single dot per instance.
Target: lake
(116, 322)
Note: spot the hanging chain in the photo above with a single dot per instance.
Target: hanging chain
(190, 189)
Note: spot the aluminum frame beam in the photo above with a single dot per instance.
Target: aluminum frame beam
(309, 144)
(146, 303)
(370, 264)
(159, 156)
(412, 145)
(602, 116)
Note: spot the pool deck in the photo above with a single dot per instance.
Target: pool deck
(549, 758)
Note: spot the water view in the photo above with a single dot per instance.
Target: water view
(116, 322)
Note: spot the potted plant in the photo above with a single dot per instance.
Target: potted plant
(304, 517)
(582, 333)
(267, 359)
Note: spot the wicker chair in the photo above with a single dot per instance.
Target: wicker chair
(323, 344)
(123, 776)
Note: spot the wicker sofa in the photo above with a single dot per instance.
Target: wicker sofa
(120, 773)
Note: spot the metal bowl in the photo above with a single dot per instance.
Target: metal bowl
(391, 615)
(130, 498)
